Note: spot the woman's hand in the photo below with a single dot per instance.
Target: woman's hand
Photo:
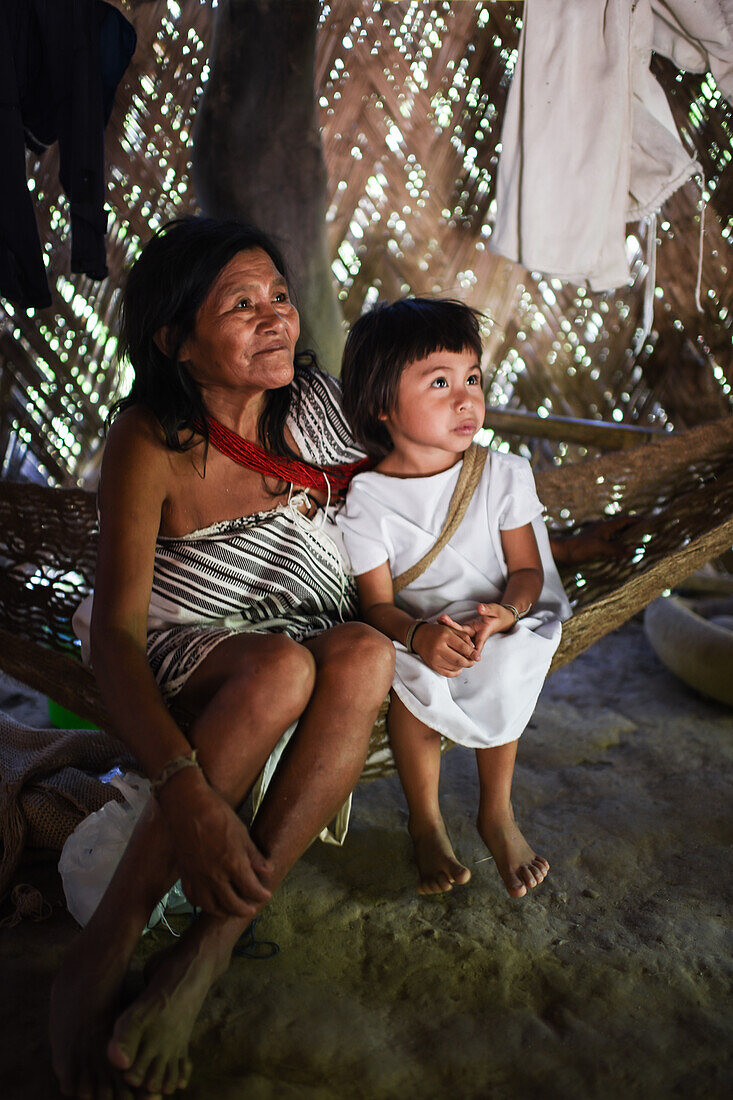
(221, 869)
(446, 648)
(492, 618)
(594, 541)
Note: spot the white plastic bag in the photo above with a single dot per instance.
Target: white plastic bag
(90, 855)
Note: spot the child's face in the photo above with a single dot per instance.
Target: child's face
(440, 405)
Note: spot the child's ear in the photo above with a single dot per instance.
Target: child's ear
(382, 415)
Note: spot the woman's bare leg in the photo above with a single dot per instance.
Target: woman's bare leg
(416, 749)
(234, 734)
(517, 863)
(319, 769)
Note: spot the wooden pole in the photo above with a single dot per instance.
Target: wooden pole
(593, 433)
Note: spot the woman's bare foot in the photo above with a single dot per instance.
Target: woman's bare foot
(520, 867)
(436, 861)
(149, 1043)
(84, 1002)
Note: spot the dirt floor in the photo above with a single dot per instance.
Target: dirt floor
(612, 980)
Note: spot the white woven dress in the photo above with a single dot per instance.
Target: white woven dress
(397, 520)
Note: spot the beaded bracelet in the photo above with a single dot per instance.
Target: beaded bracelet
(411, 634)
(173, 766)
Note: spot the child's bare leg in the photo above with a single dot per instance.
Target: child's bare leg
(519, 866)
(416, 749)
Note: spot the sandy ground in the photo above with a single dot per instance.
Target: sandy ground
(612, 980)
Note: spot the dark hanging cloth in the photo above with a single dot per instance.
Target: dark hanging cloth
(60, 64)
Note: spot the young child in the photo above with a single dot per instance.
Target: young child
(476, 632)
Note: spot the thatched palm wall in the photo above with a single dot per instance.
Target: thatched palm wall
(411, 98)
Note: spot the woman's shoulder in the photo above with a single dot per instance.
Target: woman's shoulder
(136, 443)
(136, 473)
(316, 393)
(309, 376)
(317, 419)
(138, 424)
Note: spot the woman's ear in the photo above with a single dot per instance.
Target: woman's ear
(163, 342)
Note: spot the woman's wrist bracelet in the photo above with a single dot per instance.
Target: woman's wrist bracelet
(411, 634)
(172, 767)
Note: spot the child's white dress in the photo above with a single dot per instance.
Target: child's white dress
(398, 520)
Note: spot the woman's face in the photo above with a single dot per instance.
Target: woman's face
(246, 329)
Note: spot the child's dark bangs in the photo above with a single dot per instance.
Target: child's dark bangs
(429, 326)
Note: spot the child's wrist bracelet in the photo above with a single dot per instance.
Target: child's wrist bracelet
(515, 612)
(411, 634)
(171, 768)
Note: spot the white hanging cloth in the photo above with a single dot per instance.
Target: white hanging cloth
(589, 142)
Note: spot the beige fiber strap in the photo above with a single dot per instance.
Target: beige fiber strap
(474, 461)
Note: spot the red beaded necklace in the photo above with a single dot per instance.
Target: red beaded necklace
(335, 478)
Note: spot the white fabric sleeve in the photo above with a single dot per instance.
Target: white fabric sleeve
(518, 501)
(361, 531)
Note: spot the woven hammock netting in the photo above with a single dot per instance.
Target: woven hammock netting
(411, 97)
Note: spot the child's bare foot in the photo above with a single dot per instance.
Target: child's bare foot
(436, 861)
(84, 1001)
(520, 868)
(149, 1044)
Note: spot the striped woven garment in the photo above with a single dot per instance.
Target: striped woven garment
(275, 571)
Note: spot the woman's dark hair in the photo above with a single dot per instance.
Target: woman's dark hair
(165, 289)
(386, 340)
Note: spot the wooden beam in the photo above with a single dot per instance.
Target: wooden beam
(594, 433)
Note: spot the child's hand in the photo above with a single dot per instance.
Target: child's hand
(492, 618)
(447, 649)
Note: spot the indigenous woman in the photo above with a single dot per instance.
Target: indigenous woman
(218, 585)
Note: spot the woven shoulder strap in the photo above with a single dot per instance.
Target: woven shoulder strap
(474, 461)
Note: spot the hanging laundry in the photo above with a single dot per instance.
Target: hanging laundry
(60, 64)
(588, 141)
